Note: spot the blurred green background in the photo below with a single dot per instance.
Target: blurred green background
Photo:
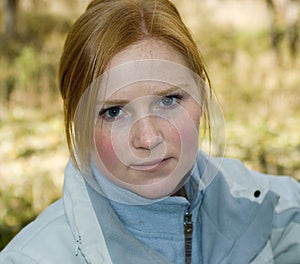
(250, 48)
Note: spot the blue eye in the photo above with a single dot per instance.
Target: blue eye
(113, 111)
(168, 100)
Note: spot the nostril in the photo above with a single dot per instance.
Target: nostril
(154, 141)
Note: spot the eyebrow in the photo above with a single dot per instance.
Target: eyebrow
(165, 92)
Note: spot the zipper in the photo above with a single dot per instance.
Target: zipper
(77, 245)
(188, 235)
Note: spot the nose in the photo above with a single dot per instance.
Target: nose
(146, 133)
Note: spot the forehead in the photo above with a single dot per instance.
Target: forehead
(149, 67)
(147, 77)
(141, 89)
(147, 49)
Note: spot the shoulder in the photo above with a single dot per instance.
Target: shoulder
(42, 237)
(285, 235)
(244, 182)
(286, 187)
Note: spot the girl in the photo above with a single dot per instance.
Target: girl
(137, 190)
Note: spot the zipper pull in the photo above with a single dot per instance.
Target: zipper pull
(77, 245)
(188, 235)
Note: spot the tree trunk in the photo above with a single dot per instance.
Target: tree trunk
(10, 17)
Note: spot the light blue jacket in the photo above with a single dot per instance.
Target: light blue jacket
(243, 217)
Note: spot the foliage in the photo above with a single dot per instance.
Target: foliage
(33, 156)
(32, 146)
(258, 89)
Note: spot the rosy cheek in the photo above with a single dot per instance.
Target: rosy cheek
(189, 132)
(105, 149)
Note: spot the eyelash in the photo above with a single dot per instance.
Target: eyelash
(104, 112)
(178, 97)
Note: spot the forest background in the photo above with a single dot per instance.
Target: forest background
(249, 46)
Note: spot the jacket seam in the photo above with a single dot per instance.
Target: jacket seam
(294, 218)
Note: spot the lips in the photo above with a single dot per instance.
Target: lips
(150, 166)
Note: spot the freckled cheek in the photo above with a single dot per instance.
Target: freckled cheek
(192, 113)
(105, 148)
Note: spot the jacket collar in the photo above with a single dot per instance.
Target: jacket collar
(147, 222)
(236, 215)
(88, 236)
(235, 225)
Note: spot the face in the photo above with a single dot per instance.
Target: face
(146, 132)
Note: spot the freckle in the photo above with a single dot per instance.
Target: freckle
(151, 53)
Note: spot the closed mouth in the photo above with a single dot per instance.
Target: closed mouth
(150, 165)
